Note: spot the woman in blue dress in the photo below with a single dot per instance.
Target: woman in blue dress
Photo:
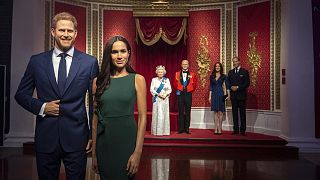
(217, 95)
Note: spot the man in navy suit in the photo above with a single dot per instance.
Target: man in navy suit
(239, 81)
(61, 77)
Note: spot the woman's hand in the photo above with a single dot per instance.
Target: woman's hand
(95, 164)
(133, 164)
(209, 99)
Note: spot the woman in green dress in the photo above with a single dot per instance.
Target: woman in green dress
(117, 138)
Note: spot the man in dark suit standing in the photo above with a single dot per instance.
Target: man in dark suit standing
(239, 81)
(61, 77)
(185, 82)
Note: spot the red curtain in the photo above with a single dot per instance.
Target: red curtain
(167, 49)
(150, 27)
(148, 57)
(171, 30)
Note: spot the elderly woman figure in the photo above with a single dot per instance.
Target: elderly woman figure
(160, 89)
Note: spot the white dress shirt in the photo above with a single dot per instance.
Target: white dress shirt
(55, 62)
(184, 76)
(237, 69)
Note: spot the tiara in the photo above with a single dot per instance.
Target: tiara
(160, 67)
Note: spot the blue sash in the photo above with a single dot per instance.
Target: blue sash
(154, 98)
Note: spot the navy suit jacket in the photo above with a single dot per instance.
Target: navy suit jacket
(240, 79)
(71, 128)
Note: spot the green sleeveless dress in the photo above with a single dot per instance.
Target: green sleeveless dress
(117, 128)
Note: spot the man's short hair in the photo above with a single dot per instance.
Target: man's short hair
(64, 16)
(236, 57)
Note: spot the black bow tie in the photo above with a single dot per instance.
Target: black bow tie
(185, 71)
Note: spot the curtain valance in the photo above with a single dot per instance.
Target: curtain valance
(171, 30)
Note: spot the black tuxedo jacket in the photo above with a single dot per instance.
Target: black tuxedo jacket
(240, 79)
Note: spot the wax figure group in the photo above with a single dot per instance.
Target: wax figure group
(66, 132)
(222, 87)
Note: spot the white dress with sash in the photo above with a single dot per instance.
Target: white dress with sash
(160, 124)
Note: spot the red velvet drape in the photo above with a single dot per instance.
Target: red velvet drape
(171, 30)
(148, 57)
(149, 27)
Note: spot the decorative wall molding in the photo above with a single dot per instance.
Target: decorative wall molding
(260, 121)
(272, 55)
(277, 75)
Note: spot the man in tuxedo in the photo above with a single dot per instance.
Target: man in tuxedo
(239, 81)
(186, 83)
(61, 77)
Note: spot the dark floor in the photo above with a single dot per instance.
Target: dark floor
(14, 165)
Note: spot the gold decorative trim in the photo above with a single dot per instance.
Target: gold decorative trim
(160, 9)
(161, 34)
(272, 69)
(143, 2)
(203, 60)
(228, 63)
(51, 16)
(95, 30)
(229, 44)
(277, 54)
(100, 36)
(223, 35)
(234, 31)
(89, 29)
(254, 58)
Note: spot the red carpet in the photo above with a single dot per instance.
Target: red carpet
(203, 140)
(208, 134)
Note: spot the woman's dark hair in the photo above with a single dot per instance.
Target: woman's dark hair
(213, 74)
(108, 69)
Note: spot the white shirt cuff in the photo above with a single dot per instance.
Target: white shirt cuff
(41, 113)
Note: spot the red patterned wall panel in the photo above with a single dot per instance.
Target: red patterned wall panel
(207, 23)
(256, 18)
(80, 14)
(117, 22)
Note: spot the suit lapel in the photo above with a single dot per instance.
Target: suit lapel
(50, 72)
(73, 69)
